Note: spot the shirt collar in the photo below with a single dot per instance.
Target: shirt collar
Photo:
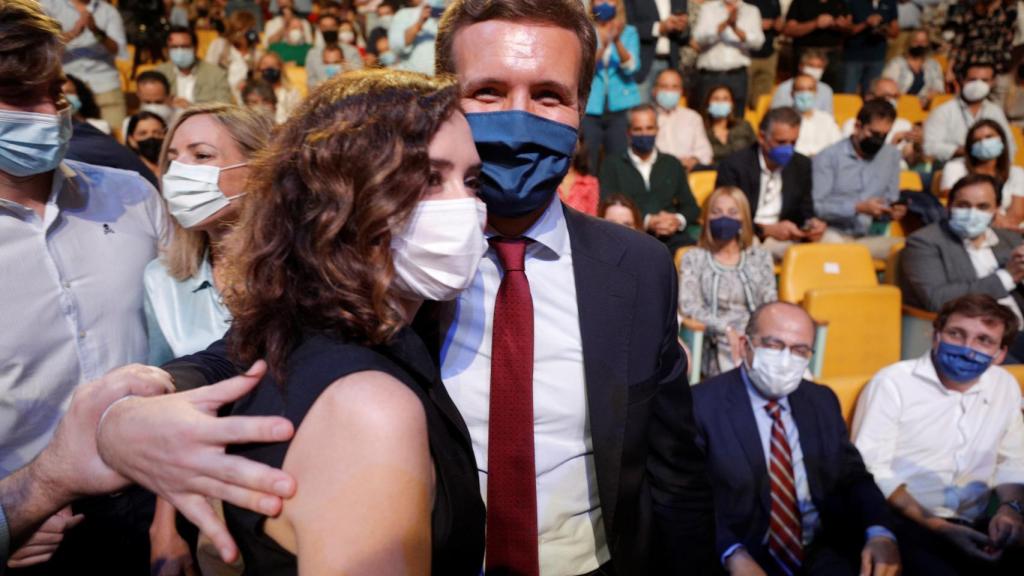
(764, 165)
(638, 161)
(203, 277)
(756, 399)
(924, 369)
(63, 180)
(991, 240)
(549, 231)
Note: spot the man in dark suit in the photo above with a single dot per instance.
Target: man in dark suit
(777, 182)
(792, 495)
(614, 482)
(656, 182)
(663, 28)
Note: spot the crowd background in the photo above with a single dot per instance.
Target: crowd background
(820, 153)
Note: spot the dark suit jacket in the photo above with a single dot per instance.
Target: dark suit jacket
(843, 491)
(94, 147)
(935, 268)
(651, 478)
(643, 14)
(743, 170)
(670, 189)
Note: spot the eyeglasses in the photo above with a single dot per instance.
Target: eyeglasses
(801, 350)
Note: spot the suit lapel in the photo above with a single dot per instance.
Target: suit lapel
(741, 416)
(806, 418)
(605, 297)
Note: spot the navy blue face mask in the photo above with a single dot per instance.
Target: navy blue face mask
(642, 144)
(960, 363)
(724, 228)
(525, 157)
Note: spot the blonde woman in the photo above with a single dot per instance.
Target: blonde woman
(725, 277)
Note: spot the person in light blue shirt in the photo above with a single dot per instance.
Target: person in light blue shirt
(813, 63)
(412, 34)
(207, 156)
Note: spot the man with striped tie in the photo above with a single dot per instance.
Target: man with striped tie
(792, 495)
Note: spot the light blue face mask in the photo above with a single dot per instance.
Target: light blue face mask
(668, 99)
(987, 149)
(182, 57)
(804, 100)
(32, 143)
(75, 101)
(387, 58)
(720, 109)
(968, 223)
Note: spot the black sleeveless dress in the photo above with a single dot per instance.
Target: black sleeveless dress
(457, 521)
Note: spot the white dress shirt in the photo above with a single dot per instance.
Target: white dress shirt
(664, 45)
(644, 167)
(85, 57)
(72, 286)
(769, 201)
(983, 258)
(571, 531)
(956, 169)
(185, 86)
(725, 50)
(681, 133)
(949, 448)
(817, 132)
(945, 130)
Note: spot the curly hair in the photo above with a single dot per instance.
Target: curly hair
(312, 249)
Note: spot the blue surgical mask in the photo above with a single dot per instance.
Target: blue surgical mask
(781, 154)
(724, 228)
(331, 70)
(32, 143)
(604, 12)
(968, 223)
(804, 100)
(75, 101)
(387, 58)
(525, 157)
(668, 99)
(960, 363)
(182, 57)
(720, 109)
(642, 145)
(987, 149)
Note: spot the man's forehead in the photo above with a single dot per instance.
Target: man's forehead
(975, 324)
(517, 47)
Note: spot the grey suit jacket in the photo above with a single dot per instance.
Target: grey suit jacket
(211, 82)
(935, 268)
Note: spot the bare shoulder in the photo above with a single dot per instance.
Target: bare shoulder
(373, 402)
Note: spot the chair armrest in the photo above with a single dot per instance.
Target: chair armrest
(919, 313)
(693, 325)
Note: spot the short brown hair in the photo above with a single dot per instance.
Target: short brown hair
(746, 238)
(567, 14)
(312, 249)
(624, 201)
(30, 49)
(980, 306)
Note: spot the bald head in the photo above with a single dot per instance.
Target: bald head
(885, 89)
(782, 321)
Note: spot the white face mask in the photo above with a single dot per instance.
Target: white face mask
(295, 36)
(813, 72)
(438, 252)
(776, 373)
(346, 37)
(193, 192)
(975, 90)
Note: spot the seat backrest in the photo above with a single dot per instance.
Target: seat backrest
(909, 107)
(809, 266)
(910, 180)
(847, 389)
(939, 100)
(204, 38)
(892, 265)
(1018, 139)
(1017, 370)
(845, 106)
(863, 328)
(297, 77)
(702, 184)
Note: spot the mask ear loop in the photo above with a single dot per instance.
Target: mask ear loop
(232, 167)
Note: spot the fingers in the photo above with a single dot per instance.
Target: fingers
(241, 497)
(231, 389)
(865, 562)
(30, 561)
(73, 521)
(200, 513)
(249, 475)
(247, 429)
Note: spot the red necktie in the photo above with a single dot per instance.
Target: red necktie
(511, 476)
(785, 540)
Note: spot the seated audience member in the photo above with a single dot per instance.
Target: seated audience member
(987, 152)
(818, 130)
(964, 254)
(237, 49)
(725, 278)
(293, 48)
(812, 63)
(378, 51)
(277, 29)
(795, 496)
(680, 129)
(945, 130)
(91, 146)
(412, 34)
(270, 69)
(579, 189)
(725, 32)
(943, 436)
(258, 95)
(347, 57)
(777, 183)
(726, 132)
(83, 104)
(856, 182)
(145, 137)
(613, 89)
(656, 182)
(154, 93)
(904, 134)
(192, 81)
(620, 209)
(916, 72)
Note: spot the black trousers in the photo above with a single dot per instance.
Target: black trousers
(925, 553)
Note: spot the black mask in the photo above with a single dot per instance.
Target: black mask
(202, 12)
(150, 148)
(330, 36)
(870, 145)
(271, 75)
(917, 51)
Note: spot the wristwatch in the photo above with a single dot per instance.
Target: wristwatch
(1014, 505)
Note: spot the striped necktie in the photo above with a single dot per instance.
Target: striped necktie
(785, 541)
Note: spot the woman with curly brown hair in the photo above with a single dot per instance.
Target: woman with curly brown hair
(364, 206)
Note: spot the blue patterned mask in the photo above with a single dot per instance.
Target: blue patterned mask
(960, 363)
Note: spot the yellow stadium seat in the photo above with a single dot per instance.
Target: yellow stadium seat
(909, 107)
(845, 106)
(810, 266)
(942, 60)
(910, 180)
(124, 70)
(691, 332)
(1017, 370)
(139, 70)
(702, 184)
(205, 38)
(915, 323)
(863, 328)
(939, 100)
(1018, 139)
(764, 101)
(297, 77)
(847, 389)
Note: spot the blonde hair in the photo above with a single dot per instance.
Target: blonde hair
(746, 238)
(251, 132)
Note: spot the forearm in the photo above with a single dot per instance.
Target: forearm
(799, 29)
(1009, 492)
(625, 58)
(28, 497)
(903, 502)
(411, 32)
